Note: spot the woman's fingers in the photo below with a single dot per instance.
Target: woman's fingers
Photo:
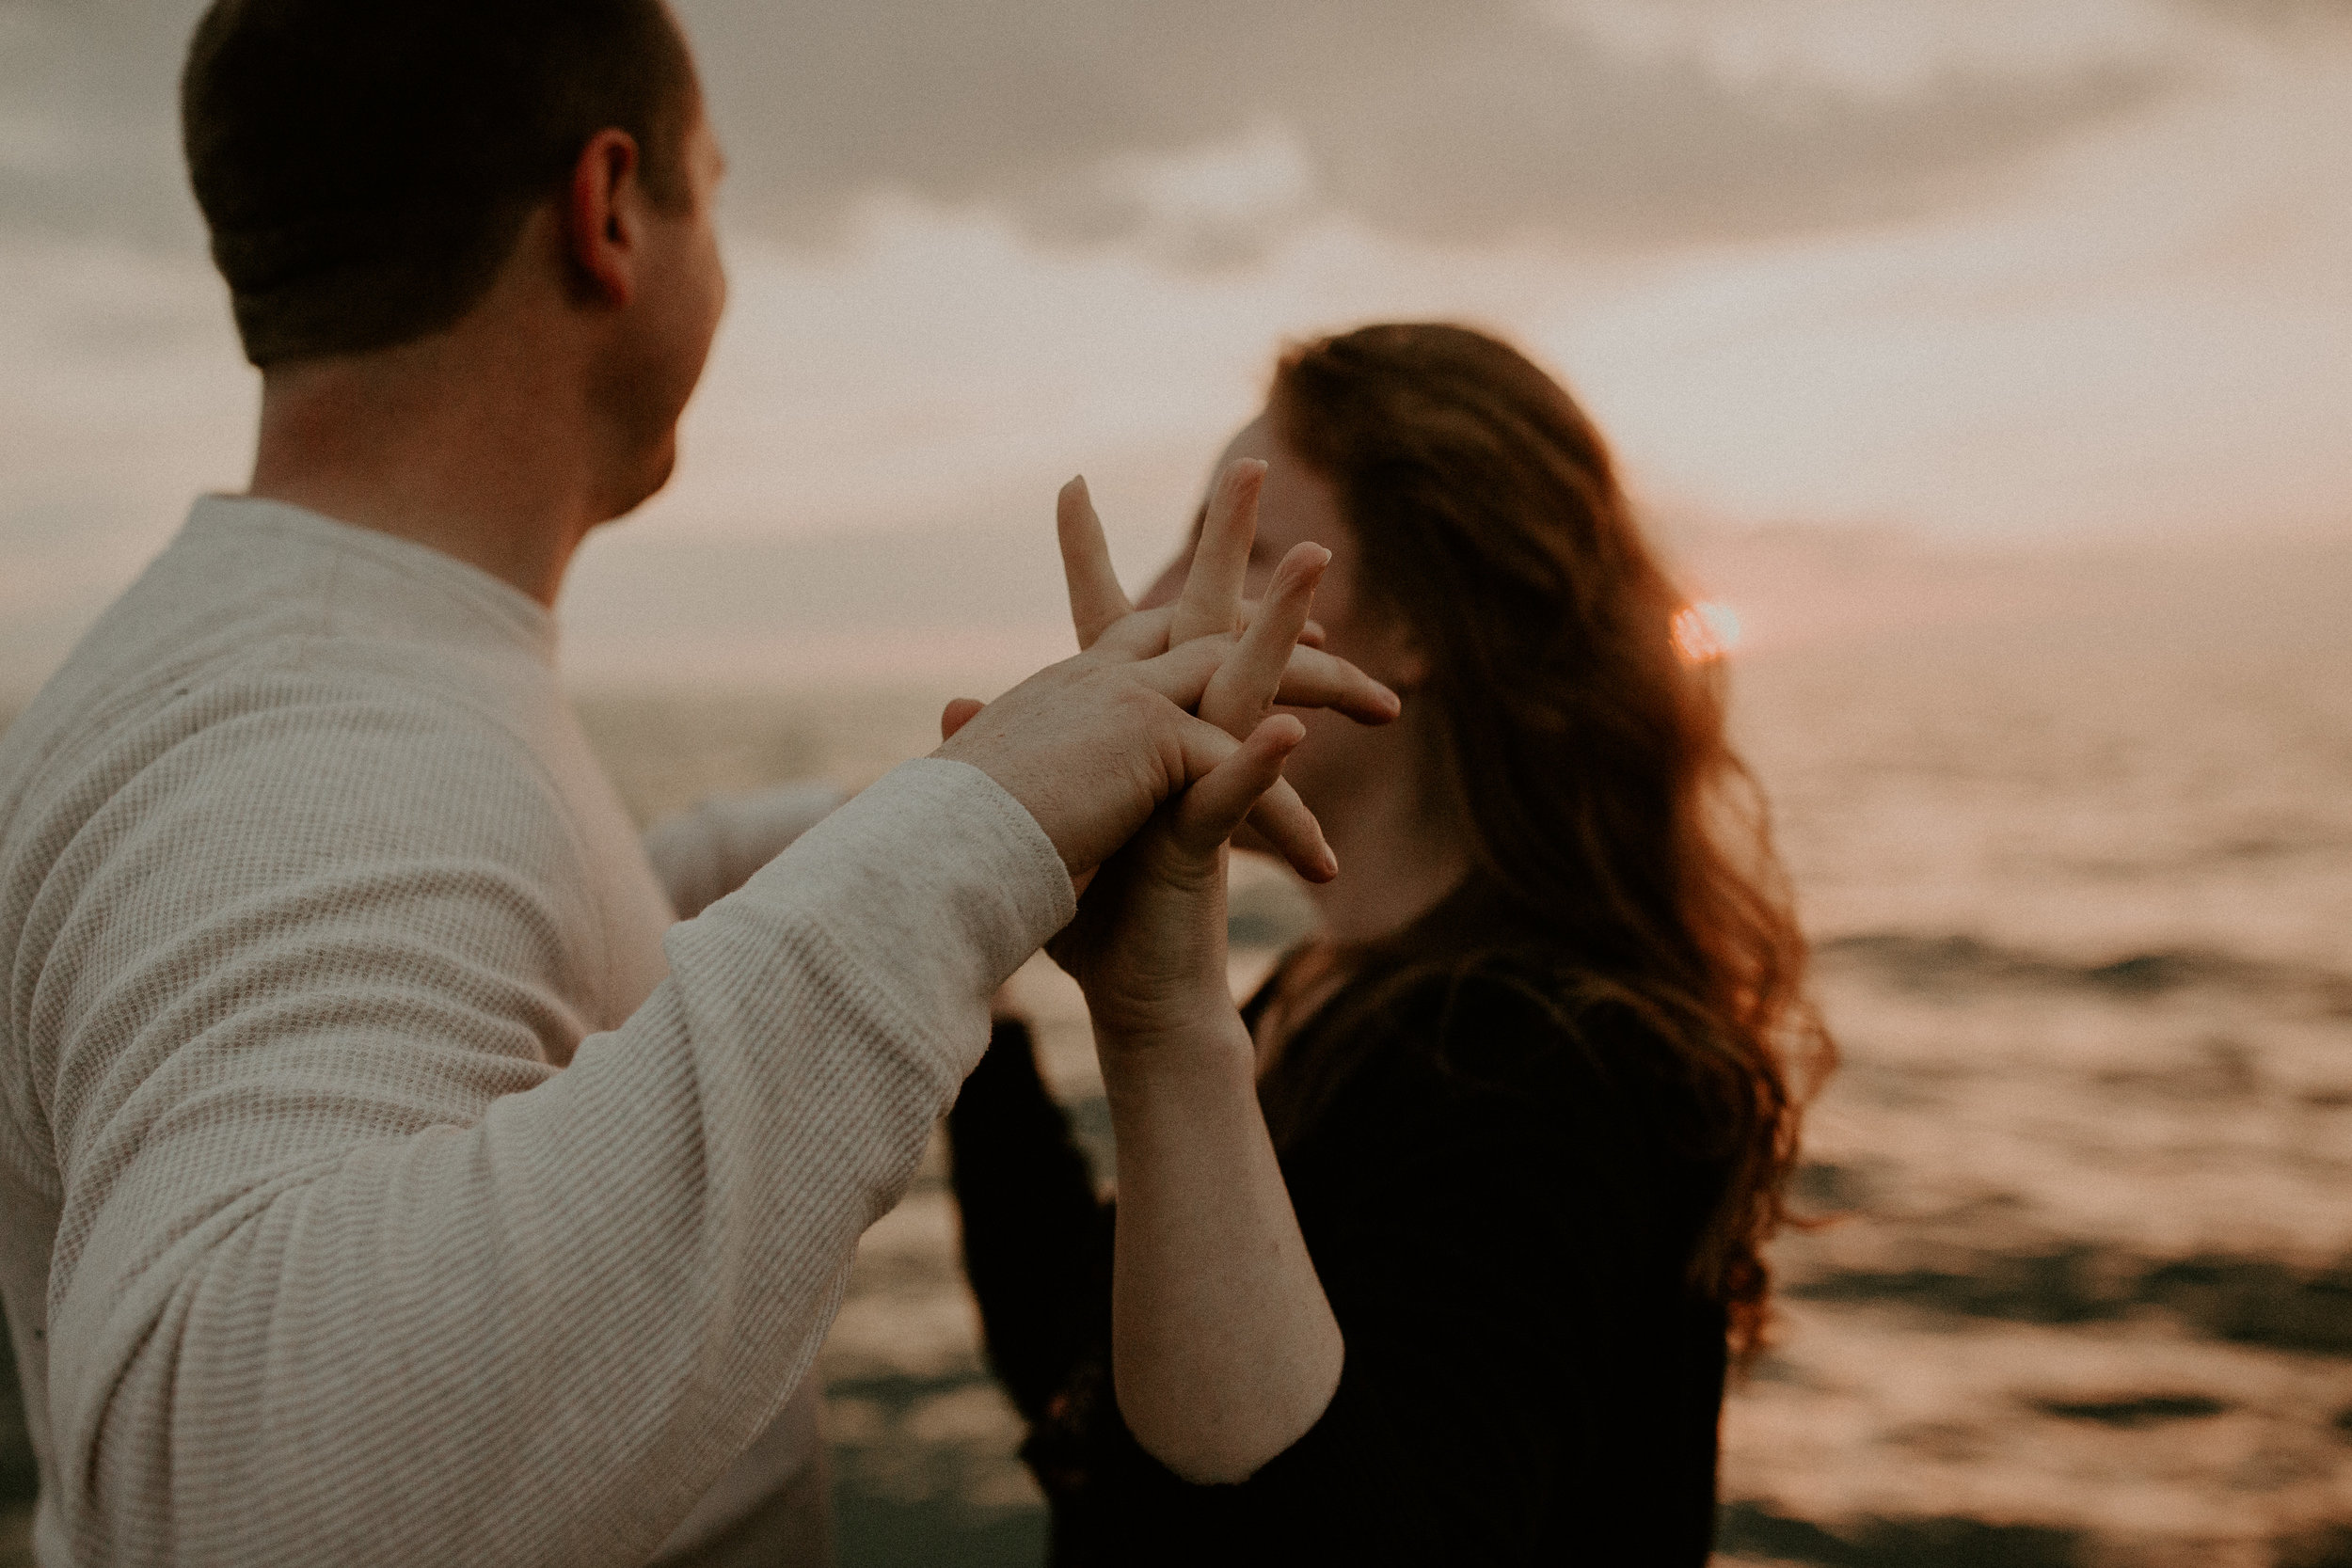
(958, 713)
(1211, 604)
(1244, 686)
(1096, 600)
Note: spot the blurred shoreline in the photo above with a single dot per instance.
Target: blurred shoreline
(896, 613)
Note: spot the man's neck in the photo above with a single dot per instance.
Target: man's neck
(470, 446)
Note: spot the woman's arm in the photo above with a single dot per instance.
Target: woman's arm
(1223, 1349)
(1033, 1230)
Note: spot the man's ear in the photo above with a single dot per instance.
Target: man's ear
(603, 217)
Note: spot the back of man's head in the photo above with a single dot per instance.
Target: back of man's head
(366, 165)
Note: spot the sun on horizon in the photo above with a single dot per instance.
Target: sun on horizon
(1705, 631)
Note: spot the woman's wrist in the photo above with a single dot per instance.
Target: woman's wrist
(1190, 1005)
(1176, 1058)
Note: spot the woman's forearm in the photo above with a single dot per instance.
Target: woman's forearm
(1224, 1349)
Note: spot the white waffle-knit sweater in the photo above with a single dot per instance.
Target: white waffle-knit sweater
(308, 886)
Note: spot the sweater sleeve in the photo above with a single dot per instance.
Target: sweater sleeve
(1484, 1255)
(1036, 1241)
(704, 854)
(344, 1270)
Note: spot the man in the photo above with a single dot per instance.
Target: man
(308, 886)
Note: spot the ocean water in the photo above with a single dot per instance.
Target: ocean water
(2080, 1292)
(2082, 899)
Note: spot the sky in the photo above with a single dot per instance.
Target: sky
(1925, 276)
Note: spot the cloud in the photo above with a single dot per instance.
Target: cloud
(1204, 130)
(90, 134)
(1215, 123)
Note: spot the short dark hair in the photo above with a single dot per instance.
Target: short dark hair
(366, 165)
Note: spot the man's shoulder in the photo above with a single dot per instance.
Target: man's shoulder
(224, 625)
(268, 684)
(280, 742)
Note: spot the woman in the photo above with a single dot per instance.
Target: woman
(1459, 1281)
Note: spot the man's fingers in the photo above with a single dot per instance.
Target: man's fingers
(1143, 633)
(1244, 686)
(1207, 814)
(1284, 821)
(1212, 599)
(1278, 813)
(1096, 600)
(1183, 674)
(957, 714)
(1139, 634)
(1311, 678)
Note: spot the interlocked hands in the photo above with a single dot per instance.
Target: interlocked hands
(1159, 700)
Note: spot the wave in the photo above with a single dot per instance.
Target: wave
(2134, 1410)
(1753, 1531)
(1912, 962)
(2246, 1301)
(1951, 1542)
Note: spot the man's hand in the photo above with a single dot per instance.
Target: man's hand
(1093, 745)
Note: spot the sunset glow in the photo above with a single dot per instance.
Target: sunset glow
(2002, 276)
(1705, 631)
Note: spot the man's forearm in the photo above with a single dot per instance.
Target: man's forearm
(558, 1324)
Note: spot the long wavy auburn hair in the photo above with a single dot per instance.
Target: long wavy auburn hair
(1611, 818)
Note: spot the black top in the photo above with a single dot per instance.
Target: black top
(1500, 1199)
